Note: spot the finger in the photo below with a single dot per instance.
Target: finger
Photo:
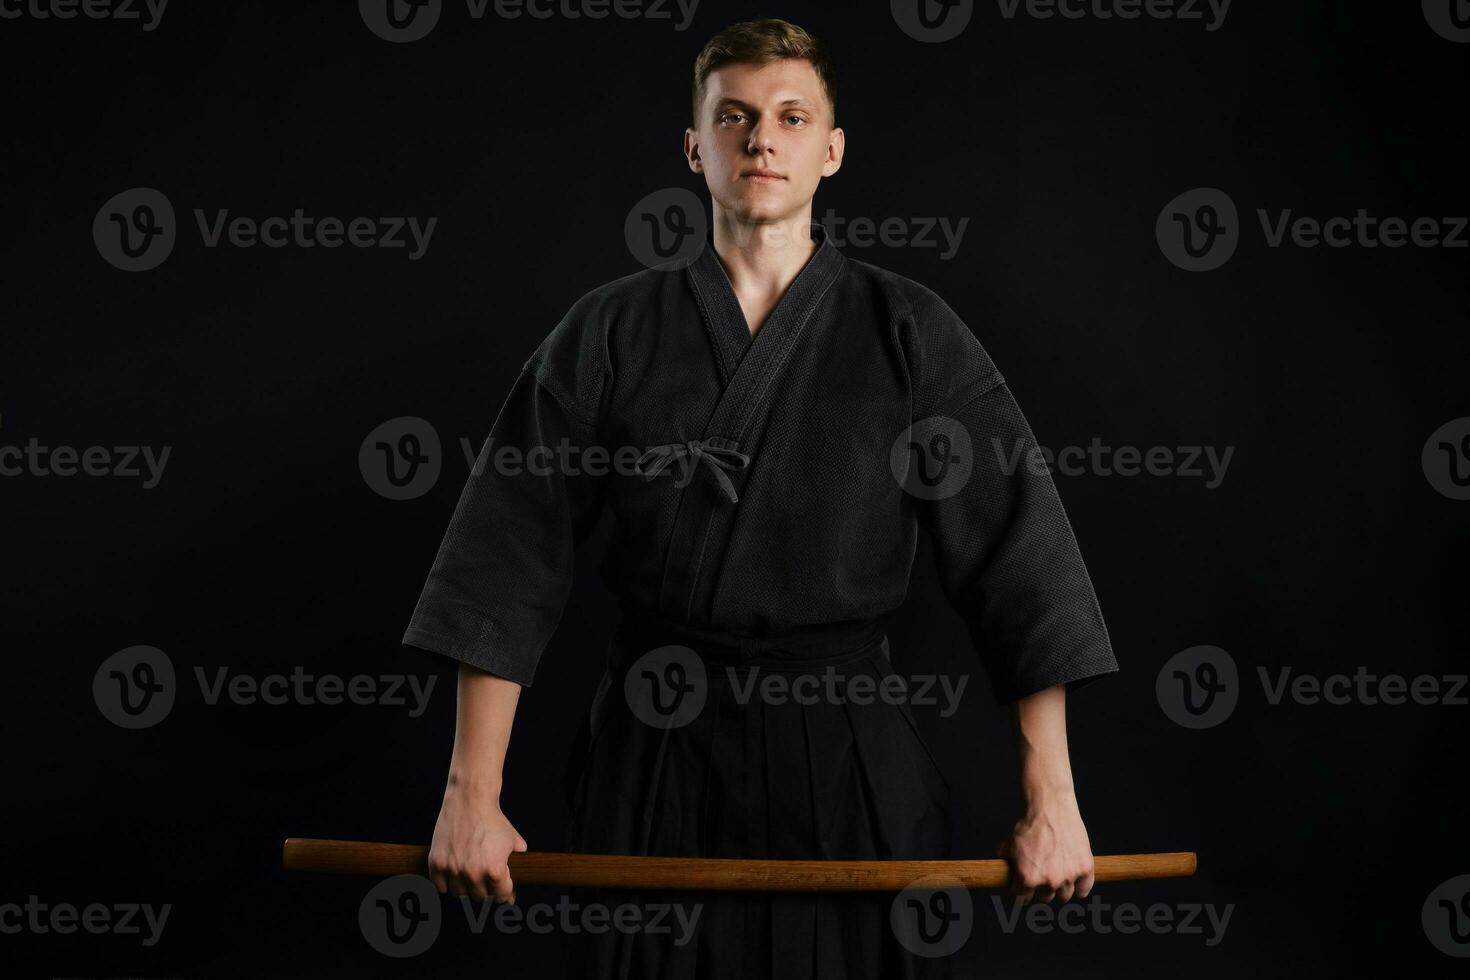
(520, 844)
(1044, 894)
(1064, 893)
(474, 887)
(501, 887)
(454, 884)
(1084, 885)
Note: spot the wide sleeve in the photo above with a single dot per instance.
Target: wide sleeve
(501, 579)
(1007, 558)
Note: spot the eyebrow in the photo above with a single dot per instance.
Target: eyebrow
(728, 101)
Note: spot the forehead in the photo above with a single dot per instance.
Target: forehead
(772, 84)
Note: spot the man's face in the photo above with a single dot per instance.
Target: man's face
(764, 139)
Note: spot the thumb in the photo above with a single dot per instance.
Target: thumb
(520, 844)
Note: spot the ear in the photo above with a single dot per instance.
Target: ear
(836, 146)
(691, 151)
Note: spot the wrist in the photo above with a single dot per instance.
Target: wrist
(1044, 794)
(474, 788)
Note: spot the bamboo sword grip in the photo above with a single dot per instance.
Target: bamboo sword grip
(563, 870)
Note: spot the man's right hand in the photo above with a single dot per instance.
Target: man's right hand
(473, 841)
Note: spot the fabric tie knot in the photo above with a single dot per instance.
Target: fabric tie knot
(714, 452)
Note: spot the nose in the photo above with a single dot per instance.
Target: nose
(760, 139)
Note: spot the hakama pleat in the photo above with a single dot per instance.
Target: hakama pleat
(753, 776)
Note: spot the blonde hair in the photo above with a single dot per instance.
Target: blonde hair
(759, 42)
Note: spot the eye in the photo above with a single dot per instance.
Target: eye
(796, 120)
(732, 118)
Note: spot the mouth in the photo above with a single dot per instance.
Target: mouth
(762, 176)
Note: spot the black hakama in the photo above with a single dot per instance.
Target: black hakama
(792, 774)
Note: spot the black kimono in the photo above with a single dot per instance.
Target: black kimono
(768, 494)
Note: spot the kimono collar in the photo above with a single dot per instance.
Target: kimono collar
(710, 276)
(721, 307)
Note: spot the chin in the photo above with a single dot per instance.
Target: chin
(757, 211)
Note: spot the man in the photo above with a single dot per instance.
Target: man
(798, 415)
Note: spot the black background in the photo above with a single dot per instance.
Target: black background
(1325, 548)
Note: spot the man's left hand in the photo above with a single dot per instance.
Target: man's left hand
(1049, 854)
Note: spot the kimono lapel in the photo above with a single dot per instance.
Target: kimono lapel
(748, 368)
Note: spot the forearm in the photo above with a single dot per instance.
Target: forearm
(472, 837)
(1039, 723)
(485, 711)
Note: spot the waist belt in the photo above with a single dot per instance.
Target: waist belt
(814, 645)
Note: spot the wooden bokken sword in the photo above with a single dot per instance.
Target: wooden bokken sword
(563, 870)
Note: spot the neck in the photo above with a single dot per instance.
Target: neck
(771, 253)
